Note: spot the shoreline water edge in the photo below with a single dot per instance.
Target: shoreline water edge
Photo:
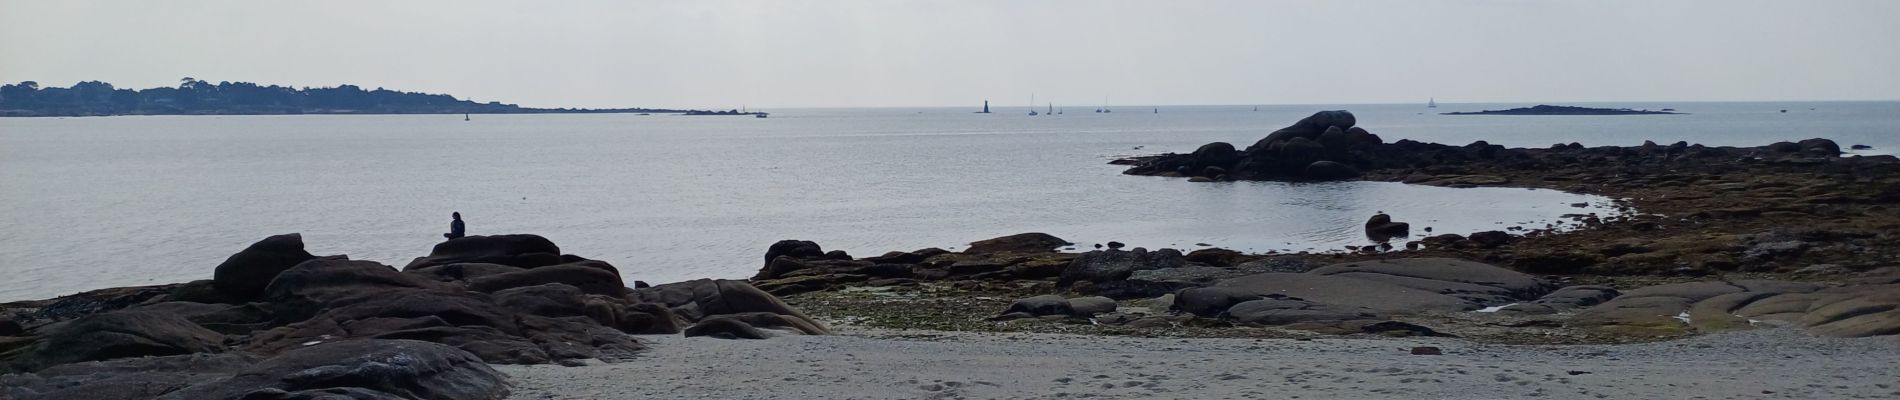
(1788, 238)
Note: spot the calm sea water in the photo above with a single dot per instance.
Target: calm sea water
(99, 202)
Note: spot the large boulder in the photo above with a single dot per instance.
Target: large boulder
(1477, 283)
(1047, 304)
(1381, 228)
(794, 249)
(1821, 147)
(1114, 265)
(1310, 128)
(119, 334)
(319, 284)
(245, 274)
(360, 369)
(562, 300)
(753, 325)
(591, 276)
(1033, 242)
(525, 251)
(1217, 154)
(696, 300)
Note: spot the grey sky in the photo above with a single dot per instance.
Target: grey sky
(890, 53)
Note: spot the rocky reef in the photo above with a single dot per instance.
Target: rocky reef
(1710, 238)
(1688, 209)
(277, 322)
(1545, 109)
(1144, 292)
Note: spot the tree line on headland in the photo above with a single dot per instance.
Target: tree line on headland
(199, 97)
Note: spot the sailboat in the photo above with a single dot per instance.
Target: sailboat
(1431, 103)
(464, 117)
(1256, 108)
(986, 107)
(1032, 105)
(1052, 109)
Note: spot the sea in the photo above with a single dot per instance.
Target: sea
(97, 202)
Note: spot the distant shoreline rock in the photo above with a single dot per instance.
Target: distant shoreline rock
(199, 97)
(1544, 109)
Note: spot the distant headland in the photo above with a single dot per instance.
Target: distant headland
(1565, 110)
(199, 97)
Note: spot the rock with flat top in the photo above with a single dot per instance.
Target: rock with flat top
(1033, 242)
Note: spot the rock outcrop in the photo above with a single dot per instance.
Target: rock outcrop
(362, 369)
(1324, 146)
(799, 266)
(521, 251)
(329, 327)
(1034, 242)
(1115, 265)
(119, 334)
(724, 304)
(244, 275)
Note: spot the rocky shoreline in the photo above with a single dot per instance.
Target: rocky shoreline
(276, 322)
(1712, 239)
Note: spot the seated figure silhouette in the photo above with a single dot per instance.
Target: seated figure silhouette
(455, 227)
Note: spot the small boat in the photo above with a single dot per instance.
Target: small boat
(464, 117)
(986, 107)
(1032, 105)
(759, 115)
(1052, 109)
(1157, 111)
(1256, 108)
(1431, 103)
(1669, 109)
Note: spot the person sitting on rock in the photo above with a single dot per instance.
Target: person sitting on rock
(455, 227)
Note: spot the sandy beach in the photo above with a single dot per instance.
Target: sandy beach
(1771, 363)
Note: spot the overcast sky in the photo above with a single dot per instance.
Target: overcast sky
(942, 53)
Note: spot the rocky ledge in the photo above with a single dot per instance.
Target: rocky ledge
(277, 322)
(1544, 109)
(1709, 238)
(1223, 293)
(1688, 210)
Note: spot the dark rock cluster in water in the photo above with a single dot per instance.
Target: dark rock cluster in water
(1326, 146)
(277, 322)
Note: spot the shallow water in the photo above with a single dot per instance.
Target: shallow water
(101, 202)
